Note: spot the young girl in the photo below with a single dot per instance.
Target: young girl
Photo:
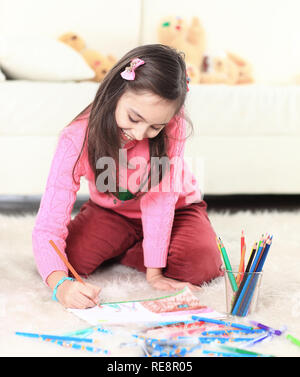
(141, 213)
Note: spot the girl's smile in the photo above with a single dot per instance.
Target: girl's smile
(127, 135)
(143, 115)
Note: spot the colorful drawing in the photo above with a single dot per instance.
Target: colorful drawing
(176, 307)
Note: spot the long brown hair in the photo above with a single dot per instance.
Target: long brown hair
(163, 74)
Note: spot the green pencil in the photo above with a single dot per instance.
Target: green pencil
(228, 266)
(243, 351)
(293, 340)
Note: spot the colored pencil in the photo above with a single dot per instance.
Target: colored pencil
(293, 340)
(55, 337)
(224, 323)
(243, 250)
(241, 291)
(243, 351)
(266, 328)
(240, 306)
(254, 248)
(254, 277)
(227, 265)
(225, 354)
(66, 262)
(70, 267)
(241, 266)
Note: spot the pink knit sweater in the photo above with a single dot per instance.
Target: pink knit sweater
(156, 208)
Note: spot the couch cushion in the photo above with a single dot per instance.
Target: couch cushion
(41, 108)
(246, 110)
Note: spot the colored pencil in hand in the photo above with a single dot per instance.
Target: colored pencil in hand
(68, 264)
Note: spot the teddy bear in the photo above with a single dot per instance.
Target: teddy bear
(225, 68)
(217, 68)
(203, 67)
(174, 31)
(244, 68)
(99, 63)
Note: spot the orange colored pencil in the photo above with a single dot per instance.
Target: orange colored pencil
(66, 262)
(70, 267)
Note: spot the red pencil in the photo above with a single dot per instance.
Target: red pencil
(242, 261)
(243, 251)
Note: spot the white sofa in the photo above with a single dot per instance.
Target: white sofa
(246, 138)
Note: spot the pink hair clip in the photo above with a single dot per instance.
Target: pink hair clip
(129, 72)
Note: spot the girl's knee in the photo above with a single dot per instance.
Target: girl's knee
(200, 264)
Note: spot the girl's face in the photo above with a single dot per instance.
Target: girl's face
(143, 115)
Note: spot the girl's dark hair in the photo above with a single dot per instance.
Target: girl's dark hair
(163, 74)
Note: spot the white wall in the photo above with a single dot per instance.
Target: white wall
(107, 26)
(266, 32)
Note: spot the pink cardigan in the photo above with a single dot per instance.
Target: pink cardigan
(156, 208)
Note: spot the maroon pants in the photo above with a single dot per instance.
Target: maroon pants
(98, 234)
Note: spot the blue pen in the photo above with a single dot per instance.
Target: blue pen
(219, 322)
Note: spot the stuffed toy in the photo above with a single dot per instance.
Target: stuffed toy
(202, 67)
(73, 40)
(218, 69)
(99, 63)
(189, 39)
(225, 68)
(245, 70)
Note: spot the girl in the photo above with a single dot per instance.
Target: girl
(145, 209)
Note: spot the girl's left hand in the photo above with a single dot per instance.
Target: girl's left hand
(167, 284)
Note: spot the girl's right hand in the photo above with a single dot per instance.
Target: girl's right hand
(75, 295)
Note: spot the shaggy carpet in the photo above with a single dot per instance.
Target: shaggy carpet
(26, 304)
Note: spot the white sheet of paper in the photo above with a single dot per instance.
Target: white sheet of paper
(136, 312)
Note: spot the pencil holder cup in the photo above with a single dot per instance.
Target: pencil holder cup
(242, 291)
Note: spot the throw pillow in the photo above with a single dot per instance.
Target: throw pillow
(41, 58)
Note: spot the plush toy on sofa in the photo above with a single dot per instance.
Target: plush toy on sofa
(99, 63)
(244, 68)
(225, 68)
(190, 39)
(218, 69)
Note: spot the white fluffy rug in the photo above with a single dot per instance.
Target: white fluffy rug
(26, 304)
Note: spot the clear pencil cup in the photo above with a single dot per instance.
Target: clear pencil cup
(242, 291)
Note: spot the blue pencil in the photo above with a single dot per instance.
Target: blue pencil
(219, 322)
(55, 337)
(241, 297)
(253, 280)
